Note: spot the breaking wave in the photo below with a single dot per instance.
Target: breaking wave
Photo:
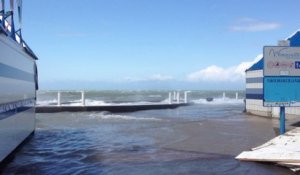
(219, 101)
(90, 102)
(108, 116)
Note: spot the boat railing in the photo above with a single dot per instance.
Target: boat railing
(17, 37)
(8, 30)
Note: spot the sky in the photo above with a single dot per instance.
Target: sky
(152, 44)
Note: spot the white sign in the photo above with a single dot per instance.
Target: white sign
(281, 61)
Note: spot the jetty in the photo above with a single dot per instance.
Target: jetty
(174, 101)
(110, 108)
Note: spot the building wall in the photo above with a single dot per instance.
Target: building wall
(254, 94)
(254, 97)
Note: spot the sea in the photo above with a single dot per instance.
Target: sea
(201, 138)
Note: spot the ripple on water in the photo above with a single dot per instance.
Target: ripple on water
(103, 143)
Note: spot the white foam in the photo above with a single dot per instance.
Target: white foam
(137, 103)
(219, 101)
(46, 102)
(141, 103)
(90, 102)
(120, 117)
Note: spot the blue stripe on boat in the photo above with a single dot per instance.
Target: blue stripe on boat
(10, 109)
(11, 72)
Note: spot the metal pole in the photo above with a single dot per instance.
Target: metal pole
(236, 95)
(174, 95)
(58, 99)
(178, 97)
(3, 13)
(170, 97)
(186, 96)
(82, 98)
(282, 120)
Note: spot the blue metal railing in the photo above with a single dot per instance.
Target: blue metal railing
(14, 34)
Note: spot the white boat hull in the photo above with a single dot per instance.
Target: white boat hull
(18, 94)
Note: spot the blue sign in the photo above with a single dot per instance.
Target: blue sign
(281, 79)
(281, 91)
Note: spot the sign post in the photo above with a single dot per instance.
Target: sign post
(281, 79)
(282, 120)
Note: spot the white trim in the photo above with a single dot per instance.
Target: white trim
(254, 74)
(254, 85)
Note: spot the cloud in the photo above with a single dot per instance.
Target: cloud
(253, 25)
(154, 77)
(216, 73)
(159, 77)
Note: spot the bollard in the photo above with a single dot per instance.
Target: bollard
(174, 95)
(178, 96)
(185, 96)
(224, 95)
(236, 95)
(170, 97)
(58, 99)
(82, 98)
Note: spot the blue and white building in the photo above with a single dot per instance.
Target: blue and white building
(254, 88)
